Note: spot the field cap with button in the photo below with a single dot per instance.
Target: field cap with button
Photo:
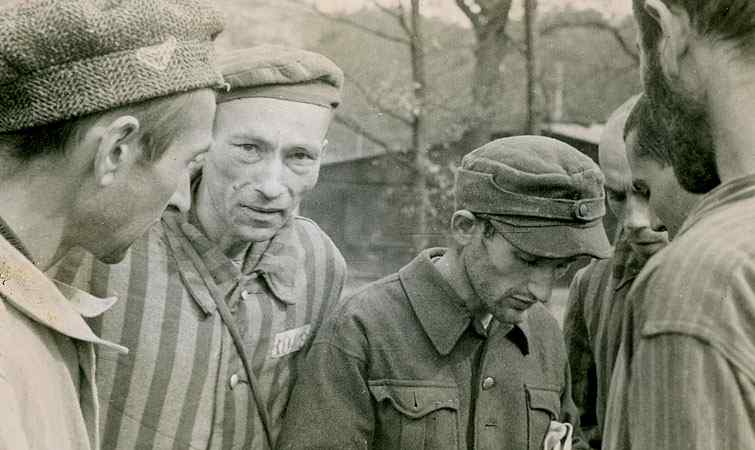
(284, 73)
(61, 59)
(544, 196)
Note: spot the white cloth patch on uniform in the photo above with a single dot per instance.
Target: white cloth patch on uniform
(289, 341)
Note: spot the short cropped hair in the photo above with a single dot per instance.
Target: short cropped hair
(724, 20)
(652, 142)
(159, 121)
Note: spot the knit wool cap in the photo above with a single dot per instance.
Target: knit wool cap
(284, 73)
(61, 59)
(544, 196)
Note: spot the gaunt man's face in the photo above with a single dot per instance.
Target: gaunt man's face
(265, 158)
(506, 280)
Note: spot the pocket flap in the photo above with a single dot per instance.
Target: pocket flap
(416, 399)
(544, 398)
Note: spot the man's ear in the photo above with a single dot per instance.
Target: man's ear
(117, 147)
(464, 227)
(674, 41)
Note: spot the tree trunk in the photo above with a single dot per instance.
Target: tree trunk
(529, 28)
(492, 47)
(418, 127)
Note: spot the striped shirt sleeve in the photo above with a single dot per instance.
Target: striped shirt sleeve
(581, 359)
(685, 395)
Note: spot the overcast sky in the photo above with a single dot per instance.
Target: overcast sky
(447, 9)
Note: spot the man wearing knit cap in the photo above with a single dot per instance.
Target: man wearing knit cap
(239, 284)
(103, 108)
(456, 349)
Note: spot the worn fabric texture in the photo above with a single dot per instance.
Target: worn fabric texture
(592, 331)
(543, 195)
(280, 72)
(47, 364)
(183, 385)
(65, 59)
(685, 374)
(401, 365)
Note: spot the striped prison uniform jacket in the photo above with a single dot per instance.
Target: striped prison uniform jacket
(592, 331)
(182, 385)
(685, 374)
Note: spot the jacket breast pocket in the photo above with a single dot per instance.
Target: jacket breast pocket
(415, 414)
(543, 405)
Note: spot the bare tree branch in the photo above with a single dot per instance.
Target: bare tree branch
(474, 18)
(391, 12)
(404, 21)
(351, 23)
(600, 25)
(376, 102)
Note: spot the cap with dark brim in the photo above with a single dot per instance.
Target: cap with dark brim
(549, 240)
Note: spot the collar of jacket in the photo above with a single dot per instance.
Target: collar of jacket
(723, 195)
(13, 239)
(56, 305)
(277, 262)
(440, 310)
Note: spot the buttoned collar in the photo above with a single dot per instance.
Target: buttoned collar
(725, 194)
(441, 312)
(55, 305)
(276, 261)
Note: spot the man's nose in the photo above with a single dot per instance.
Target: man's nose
(541, 282)
(636, 214)
(271, 183)
(181, 199)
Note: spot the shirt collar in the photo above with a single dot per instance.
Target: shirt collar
(55, 305)
(727, 193)
(440, 311)
(13, 239)
(276, 261)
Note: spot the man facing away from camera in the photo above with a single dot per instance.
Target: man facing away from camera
(685, 377)
(97, 132)
(456, 350)
(595, 308)
(221, 303)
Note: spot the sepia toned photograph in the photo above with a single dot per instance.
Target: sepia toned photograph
(377, 224)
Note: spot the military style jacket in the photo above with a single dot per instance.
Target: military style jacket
(400, 365)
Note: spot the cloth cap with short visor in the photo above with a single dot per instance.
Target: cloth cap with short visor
(283, 73)
(544, 196)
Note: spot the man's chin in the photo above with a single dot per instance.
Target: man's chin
(512, 316)
(647, 250)
(247, 233)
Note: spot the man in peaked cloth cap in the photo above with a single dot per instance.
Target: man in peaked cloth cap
(241, 262)
(456, 349)
(103, 107)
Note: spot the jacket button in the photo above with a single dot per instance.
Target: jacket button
(245, 295)
(488, 383)
(233, 381)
